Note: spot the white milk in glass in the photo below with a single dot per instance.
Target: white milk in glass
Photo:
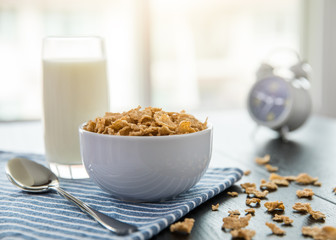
(74, 91)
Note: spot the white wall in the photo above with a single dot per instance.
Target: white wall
(319, 48)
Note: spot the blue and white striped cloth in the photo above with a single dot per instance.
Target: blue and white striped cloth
(49, 216)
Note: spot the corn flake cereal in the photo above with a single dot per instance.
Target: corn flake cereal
(249, 201)
(248, 185)
(317, 183)
(233, 194)
(302, 207)
(276, 205)
(290, 178)
(306, 208)
(306, 192)
(282, 218)
(232, 222)
(275, 229)
(183, 227)
(247, 172)
(310, 231)
(271, 168)
(263, 160)
(281, 182)
(317, 215)
(250, 190)
(274, 176)
(278, 180)
(234, 212)
(304, 178)
(246, 234)
(250, 210)
(324, 233)
(256, 193)
(268, 185)
(215, 207)
(147, 122)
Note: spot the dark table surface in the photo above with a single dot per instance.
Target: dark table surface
(237, 141)
(311, 149)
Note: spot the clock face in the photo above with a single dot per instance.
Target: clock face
(269, 99)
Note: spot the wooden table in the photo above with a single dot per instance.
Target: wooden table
(311, 149)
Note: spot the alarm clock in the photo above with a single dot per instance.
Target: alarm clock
(281, 102)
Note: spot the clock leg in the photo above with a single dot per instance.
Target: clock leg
(283, 133)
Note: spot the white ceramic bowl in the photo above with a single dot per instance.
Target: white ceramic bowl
(146, 168)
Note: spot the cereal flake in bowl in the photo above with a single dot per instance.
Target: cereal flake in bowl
(146, 155)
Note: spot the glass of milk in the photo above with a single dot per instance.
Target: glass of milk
(75, 90)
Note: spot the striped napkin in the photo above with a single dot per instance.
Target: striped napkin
(49, 216)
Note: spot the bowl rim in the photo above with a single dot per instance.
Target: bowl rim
(208, 129)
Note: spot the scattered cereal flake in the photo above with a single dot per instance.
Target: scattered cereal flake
(250, 190)
(274, 176)
(283, 218)
(183, 227)
(276, 205)
(248, 185)
(250, 210)
(302, 207)
(249, 201)
(310, 231)
(317, 215)
(305, 207)
(304, 178)
(317, 183)
(324, 233)
(268, 185)
(263, 160)
(234, 212)
(233, 194)
(271, 168)
(334, 190)
(256, 193)
(306, 192)
(236, 222)
(215, 207)
(275, 229)
(259, 194)
(278, 180)
(328, 232)
(247, 172)
(246, 234)
(290, 178)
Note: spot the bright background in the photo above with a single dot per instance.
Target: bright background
(191, 54)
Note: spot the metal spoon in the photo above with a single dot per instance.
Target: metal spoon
(33, 177)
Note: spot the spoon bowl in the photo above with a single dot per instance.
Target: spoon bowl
(33, 177)
(30, 176)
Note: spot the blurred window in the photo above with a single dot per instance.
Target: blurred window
(206, 52)
(202, 54)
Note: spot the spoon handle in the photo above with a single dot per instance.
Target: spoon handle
(112, 224)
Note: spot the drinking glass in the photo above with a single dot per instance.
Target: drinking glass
(75, 90)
